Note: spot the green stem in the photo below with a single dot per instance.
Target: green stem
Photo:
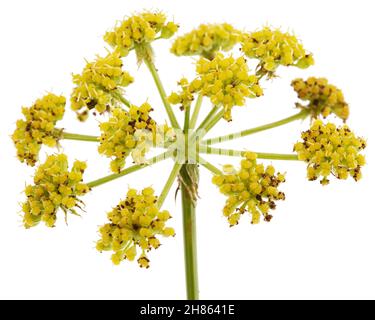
(301, 115)
(190, 238)
(197, 109)
(172, 118)
(79, 137)
(208, 118)
(214, 121)
(277, 156)
(201, 130)
(187, 120)
(121, 98)
(171, 179)
(209, 166)
(236, 153)
(129, 170)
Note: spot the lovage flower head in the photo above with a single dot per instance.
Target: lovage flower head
(98, 84)
(118, 138)
(134, 223)
(225, 80)
(253, 188)
(274, 48)
(323, 97)
(38, 127)
(140, 30)
(54, 187)
(331, 150)
(206, 40)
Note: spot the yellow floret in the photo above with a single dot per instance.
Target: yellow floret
(207, 40)
(38, 127)
(98, 84)
(42, 200)
(274, 48)
(322, 97)
(251, 188)
(135, 222)
(331, 150)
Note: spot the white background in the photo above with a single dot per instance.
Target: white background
(321, 241)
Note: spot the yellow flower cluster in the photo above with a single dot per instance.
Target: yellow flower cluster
(118, 133)
(54, 187)
(253, 188)
(206, 40)
(331, 150)
(38, 127)
(274, 48)
(97, 86)
(135, 222)
(139, 30)
(323, 97)
(225, 80)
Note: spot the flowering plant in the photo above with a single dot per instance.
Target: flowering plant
(225, 80)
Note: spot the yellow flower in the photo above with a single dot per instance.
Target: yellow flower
(252, 188)
(331, 150)
(207, 40)
(54, 187)
(134, 223)
(274, 48)
(139, 30)
(323, 98)
(98, 84)
(38, 127)
(225, 80)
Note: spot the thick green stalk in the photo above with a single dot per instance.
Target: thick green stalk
(129, 170)
(301, 115)
(197, 109)
(236, 153)
(79, 137)
(171, 179)
(172, 118)
(190, 240)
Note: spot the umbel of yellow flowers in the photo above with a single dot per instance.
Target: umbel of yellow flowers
(131, 132)
(38, 127)
(227, 81)
(331, 150)
(253, 188)
(224, 78)
(274, 48)
(98, 84)
(139, 30)
(54, 188)
(117, 139)
(134, 223)
(207, 40)
(322, 97)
